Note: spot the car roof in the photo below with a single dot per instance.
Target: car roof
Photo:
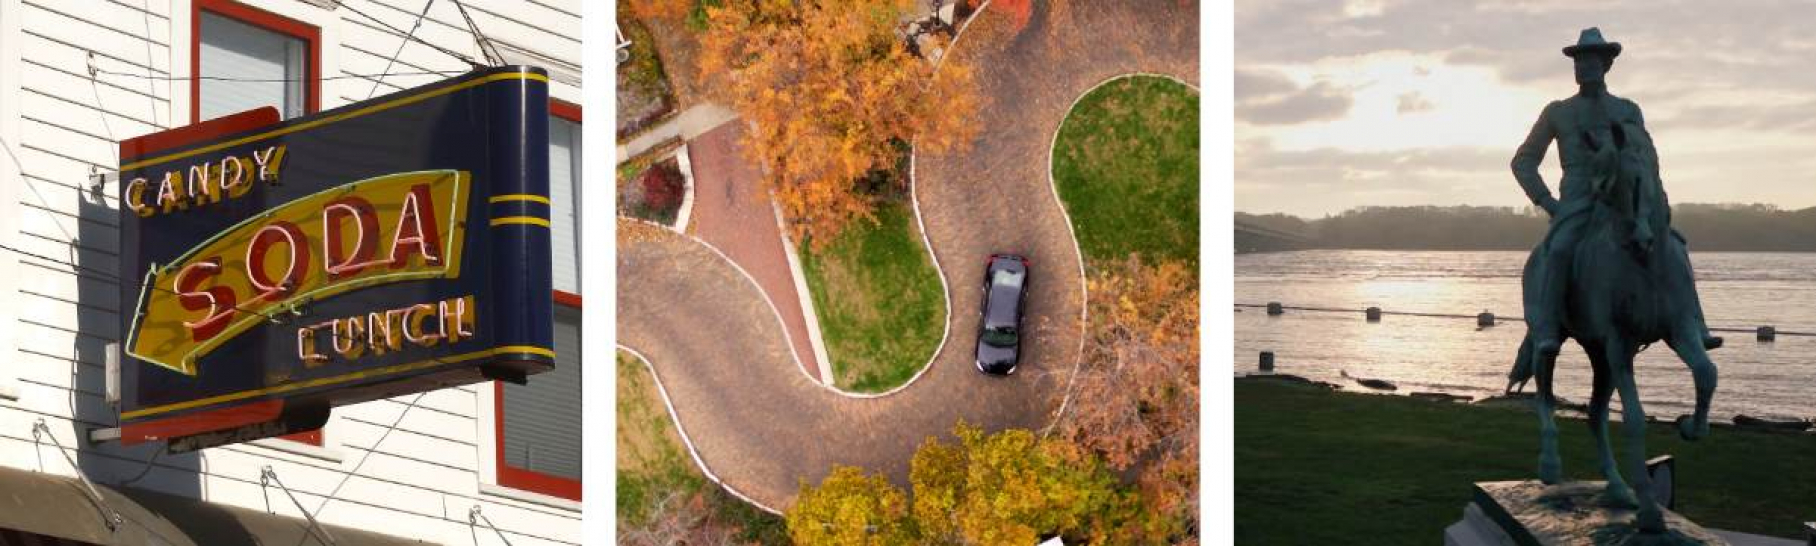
(1006, 286)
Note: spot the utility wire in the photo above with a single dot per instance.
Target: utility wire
(278, 80)
(411, 36)
(400, 47)
(485, 43)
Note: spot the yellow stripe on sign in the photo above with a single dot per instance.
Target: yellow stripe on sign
(380, 107)
(519, 197)
(531, 349)
(343, 378)
(530, 220)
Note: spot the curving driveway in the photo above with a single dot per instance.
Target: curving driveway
(759, 425)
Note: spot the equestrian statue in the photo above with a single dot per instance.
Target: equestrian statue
(1610, 274)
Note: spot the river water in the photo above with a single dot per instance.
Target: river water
(1452, 355)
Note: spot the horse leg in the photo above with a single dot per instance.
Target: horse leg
(1551, 468)
(1617, 492)
(1689, 347)
(1633, 423)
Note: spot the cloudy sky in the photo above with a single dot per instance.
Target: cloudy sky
(1414, 102)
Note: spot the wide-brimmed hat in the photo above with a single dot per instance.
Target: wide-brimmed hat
(1591, 42)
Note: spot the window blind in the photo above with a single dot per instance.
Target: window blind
(542, 419)
(564, 194)
(241, 51)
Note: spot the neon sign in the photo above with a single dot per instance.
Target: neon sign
(282, 267)
(375, 231)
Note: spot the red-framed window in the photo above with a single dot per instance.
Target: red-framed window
(250, 41)
(536, 426)
(239, 49)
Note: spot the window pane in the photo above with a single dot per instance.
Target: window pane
(240, 51)
(542, 419)
(564, 194)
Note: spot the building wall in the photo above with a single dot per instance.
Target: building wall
(386, 466)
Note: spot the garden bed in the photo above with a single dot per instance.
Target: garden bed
(653, 190)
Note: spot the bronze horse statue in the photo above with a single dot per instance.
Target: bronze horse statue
(1630, 285)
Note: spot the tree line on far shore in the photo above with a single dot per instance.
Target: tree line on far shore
(1708, 227)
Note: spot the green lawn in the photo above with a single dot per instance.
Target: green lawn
(878, 299)
(653, 464)
(1126, 165)
(1317, 467)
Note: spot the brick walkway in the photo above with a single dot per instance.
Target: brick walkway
(757, 423)
(734, 214)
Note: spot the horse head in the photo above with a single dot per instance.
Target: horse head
(1630, 188)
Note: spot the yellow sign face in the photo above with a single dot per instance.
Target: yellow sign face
(382, 230)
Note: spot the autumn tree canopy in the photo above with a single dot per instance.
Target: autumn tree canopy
(830, 89)
(850, 507)
(664, 10)
(1011, 487)
(1135, 400)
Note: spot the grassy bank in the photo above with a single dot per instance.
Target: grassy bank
(878, 299)
(653, 468)
(1126, 165)
(1313, 466)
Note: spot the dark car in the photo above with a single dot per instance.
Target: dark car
(999, 332)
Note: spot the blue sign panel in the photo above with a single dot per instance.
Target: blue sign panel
(278, 269)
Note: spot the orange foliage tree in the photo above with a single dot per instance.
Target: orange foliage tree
(1135, 400)
(830, 90)
(663, 10)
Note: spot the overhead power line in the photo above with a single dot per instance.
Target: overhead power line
(273, 80)
(412, 37)
(485, 43)
(400, 47)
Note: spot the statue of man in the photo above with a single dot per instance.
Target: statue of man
(1592, 130)
(1589, 127)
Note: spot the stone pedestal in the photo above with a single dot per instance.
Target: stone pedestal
(1530, 513)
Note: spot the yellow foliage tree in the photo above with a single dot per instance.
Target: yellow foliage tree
(1013, 487)
(850, 507)
(831, 91)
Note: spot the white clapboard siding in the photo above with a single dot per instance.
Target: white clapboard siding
(120, 20)
(387, 466)
(106, 42)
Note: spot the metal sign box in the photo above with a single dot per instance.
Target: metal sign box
(276, 269)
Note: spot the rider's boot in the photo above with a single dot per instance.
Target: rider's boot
(1547, 332)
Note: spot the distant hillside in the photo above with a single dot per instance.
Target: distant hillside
(1710, 227)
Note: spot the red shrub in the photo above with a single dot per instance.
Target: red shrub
(662, 187)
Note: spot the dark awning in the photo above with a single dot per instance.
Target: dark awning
(60, 506)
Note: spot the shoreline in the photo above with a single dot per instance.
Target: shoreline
(1566, 408)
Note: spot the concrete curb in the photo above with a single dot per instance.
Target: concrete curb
(687, 198)
(800, 283)
(688, 442)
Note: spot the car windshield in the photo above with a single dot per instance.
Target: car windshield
(1008, 279)
(1003, 336)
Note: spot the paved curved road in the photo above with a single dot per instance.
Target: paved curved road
(756, 421)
